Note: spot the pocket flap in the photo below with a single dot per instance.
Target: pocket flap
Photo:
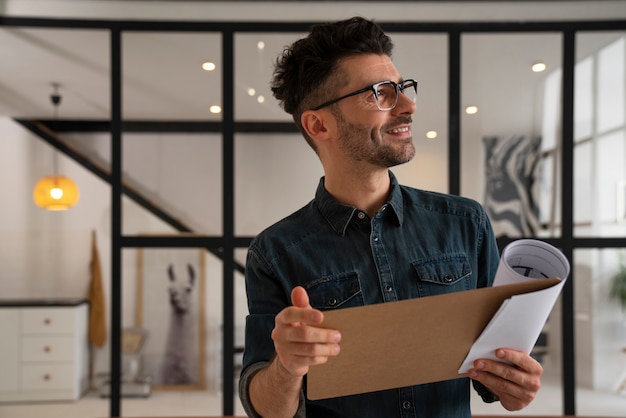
(445, 270)
(332, 292)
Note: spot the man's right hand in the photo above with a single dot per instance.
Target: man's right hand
(275, 390)
(298, 341)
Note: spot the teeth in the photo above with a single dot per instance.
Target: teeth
(398, 130)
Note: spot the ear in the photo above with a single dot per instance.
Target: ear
(318, 124)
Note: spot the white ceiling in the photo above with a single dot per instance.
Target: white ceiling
(163, 79)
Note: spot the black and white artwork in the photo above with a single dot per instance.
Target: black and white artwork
(511, 170)
(170, 295)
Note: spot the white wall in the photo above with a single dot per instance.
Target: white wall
(47, 254)
(307, 11)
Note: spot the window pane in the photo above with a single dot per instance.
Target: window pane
(275, 176)
(425, 58)
(610, 165)
(241, 312)
(583, 180)
(180, 174)
(600, 332)
(194, 328)
(583, 99)
(549, 189)
(517, 117)
(77, 59)
(255, 55)
(163, 78)
(611, 86)
(551, 122)
(600, 161)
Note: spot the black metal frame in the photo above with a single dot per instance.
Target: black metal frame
(228, 242)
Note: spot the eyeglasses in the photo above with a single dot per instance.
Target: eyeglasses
(385, 92)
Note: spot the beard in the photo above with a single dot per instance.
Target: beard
(364, 144)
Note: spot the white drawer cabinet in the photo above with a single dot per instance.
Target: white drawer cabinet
(43, 351)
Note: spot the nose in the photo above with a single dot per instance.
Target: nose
(404, 105)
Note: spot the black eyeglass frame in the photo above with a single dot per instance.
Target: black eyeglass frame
(399, 87)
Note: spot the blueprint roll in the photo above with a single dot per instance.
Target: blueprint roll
(530, 259)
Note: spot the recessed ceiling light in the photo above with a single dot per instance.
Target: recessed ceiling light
(251, 92)
(431, 134)
(260, 45)
(208, 66)
(538, 67)
(215, 109)
(260, 99)
(471, 110)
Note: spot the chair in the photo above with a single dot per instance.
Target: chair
(133, 383)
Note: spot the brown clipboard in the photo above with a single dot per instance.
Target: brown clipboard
(409, 342)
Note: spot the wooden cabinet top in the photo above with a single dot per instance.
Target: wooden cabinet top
(42, 302)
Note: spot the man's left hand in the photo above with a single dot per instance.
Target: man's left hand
(516, 383)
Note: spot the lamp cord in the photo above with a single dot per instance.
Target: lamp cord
(55, 98)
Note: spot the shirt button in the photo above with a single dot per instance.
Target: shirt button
(332, 301)
(406, 405)
(388, 288)
(361, 215)
(375, 239)
(448, 278)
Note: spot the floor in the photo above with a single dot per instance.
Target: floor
(197, 403)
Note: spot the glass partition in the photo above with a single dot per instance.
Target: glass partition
(78, 60)
(180, 175)
(241, 312)
(600, 135)
(172, 329)
(510, 129)
(600, 331)
(178, 76)
(255, 55)
(424, 57)
(275, 175)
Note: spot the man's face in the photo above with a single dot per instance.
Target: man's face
(367, 134)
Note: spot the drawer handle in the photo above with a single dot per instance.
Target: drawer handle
(47, 321)
(46, 377)
(47, 349)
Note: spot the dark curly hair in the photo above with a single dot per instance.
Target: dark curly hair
(306, 74)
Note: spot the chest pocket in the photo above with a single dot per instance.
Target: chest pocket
(332, 292)
(449, 273)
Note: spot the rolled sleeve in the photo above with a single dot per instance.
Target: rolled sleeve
(244, 391)
(484, 393)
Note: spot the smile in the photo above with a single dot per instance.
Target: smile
(399, 130)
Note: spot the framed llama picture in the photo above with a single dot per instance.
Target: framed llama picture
(170, 308)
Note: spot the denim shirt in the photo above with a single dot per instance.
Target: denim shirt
(418, 244)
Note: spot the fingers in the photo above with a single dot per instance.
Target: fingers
(301, 312)
(299, 343)
(515, 379)
(521, 360)
(299, 297)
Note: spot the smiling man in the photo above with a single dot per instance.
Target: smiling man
(363, 239)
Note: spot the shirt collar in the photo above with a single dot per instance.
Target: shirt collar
(339, 215)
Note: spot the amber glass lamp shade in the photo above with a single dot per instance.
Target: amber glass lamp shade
(55, 193)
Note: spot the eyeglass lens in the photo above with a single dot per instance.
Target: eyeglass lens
(386, 93)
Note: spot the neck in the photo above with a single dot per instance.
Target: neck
(365, 191)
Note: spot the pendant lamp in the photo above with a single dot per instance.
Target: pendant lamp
(55, 192)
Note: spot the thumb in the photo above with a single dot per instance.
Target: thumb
(299, 297)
